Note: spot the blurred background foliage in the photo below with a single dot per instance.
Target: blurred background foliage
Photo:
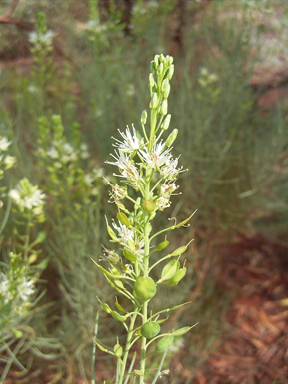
(88, 77)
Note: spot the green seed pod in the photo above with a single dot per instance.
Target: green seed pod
(166, 122)
(117, 316)
(118, 350)
(170, 270)
(154, 101)
(160, 69)
(106, 308)
(131, 256)
(123, 219)
(144, 117)
(111, 233)
(177, 277)
(171, 138)
(162, 245)
(145, 288)
(150, 329)
(181, 331)
(179, 251)
(151, 80)
(148, 205)
(164, 107)
(170, 72)
(164, 344)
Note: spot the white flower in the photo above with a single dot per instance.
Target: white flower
(162, 203)
(124, 233)
(127, 169)
(131, 142)
(98, 172)
(44, 38)
(9, 161)
(157, 157)
(26, 195)
(4, 143)
(167, 189)
(84, 154)
(170, 171)
(53, 153)
(117, 193)
(25, 289)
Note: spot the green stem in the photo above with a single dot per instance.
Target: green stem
(128, 346)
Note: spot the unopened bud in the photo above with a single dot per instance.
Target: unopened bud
(154, 101)
(170, 72)
(164, 107)
(160, 69)
(165, 88)
(161, 58)
(144, 117)
(156, 60)
(151, 80)
(166, 122)
(152, 66)
(171, 137)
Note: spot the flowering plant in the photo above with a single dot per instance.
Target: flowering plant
(145, 165)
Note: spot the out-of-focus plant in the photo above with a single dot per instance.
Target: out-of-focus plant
(41, 40)
(148, 176)
(67, 181)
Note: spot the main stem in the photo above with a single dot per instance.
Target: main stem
(146, 271)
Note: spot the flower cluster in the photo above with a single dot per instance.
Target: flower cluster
(145, 164)
(6, 162)
(16, 292)
(39, 39)
(29, 199)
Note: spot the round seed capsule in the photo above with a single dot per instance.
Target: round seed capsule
(164, 343)
(145, 288)
(150, 329)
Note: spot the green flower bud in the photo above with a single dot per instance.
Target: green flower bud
(154, 101)
(170, 72)
(160, 69)
(150, 329)
(164, 107)
(118, 350)
(171, 138)
(166, 91)
(123, 219)
(166, 122)
(161, 58)
(144, 117)
(151, 80)
(164, 85)
(156, 60)
(164, 344)
(144, 288)
(152, 66)
(148, 205)
(162, 245)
